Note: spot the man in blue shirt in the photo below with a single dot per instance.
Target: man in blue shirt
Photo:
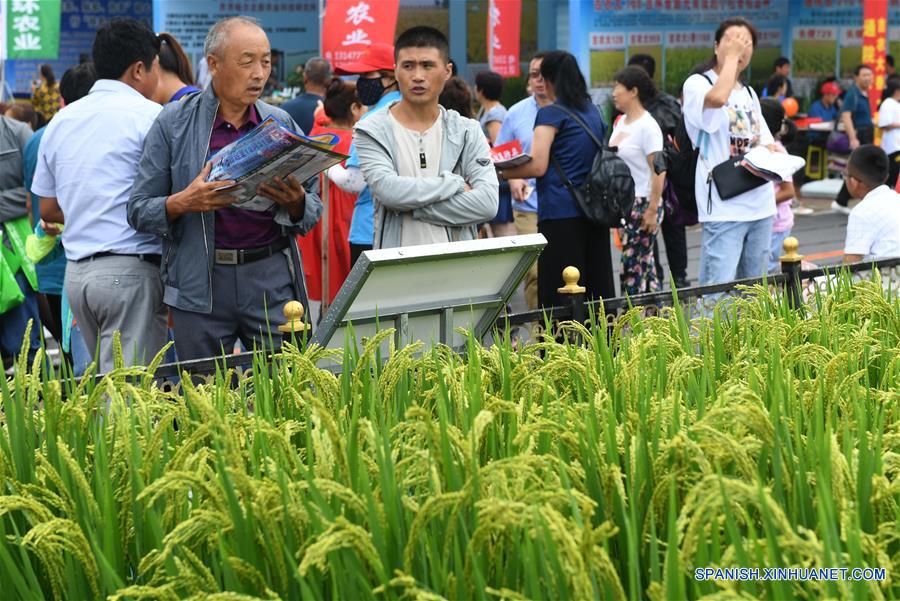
(519, 125)
(377, 89)
(87, 161)
(825, 109)
(316, 76)
(856, 116)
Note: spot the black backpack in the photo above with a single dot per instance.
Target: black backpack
(681, 162)
(607, 194)
(681, 169)
(666, 111)
(681, 165)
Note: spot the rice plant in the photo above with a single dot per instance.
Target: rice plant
(760, 437)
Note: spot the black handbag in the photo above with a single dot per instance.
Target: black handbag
(732, 179)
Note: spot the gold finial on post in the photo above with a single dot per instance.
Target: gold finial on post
(790, 246)
(791, 262)
(293, 312)
(570, 276)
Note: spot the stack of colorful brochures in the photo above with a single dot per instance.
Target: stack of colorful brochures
(773, 166)
(271, 150)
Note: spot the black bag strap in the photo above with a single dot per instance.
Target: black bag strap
(567, 183)
(581, 122)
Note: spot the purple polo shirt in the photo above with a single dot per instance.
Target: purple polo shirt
(238, 228)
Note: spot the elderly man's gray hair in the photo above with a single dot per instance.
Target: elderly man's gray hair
(218, 33)
(318, 71)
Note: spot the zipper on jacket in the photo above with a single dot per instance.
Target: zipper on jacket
(381, 228)
(209, 266)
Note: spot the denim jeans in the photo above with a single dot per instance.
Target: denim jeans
(777, 250)
(733, 250)
(81, 356)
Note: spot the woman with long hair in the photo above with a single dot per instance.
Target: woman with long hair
(343, 109)
(45, 93)
(639, 141)
(563, 148)
(175, 73)
(723, 117)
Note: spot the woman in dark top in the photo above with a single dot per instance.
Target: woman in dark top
(559, 139)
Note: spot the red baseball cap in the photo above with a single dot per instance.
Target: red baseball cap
(377, 57)
(829, 87)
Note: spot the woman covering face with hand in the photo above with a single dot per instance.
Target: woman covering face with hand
(723, 119)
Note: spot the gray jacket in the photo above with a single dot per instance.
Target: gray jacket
(174, 153)
(13, 136)
(440, 200)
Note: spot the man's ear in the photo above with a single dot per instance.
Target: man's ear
(137, 71)
(212, 61)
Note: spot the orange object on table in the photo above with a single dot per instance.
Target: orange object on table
(790, 106)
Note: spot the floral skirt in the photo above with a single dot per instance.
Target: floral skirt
(639, 273)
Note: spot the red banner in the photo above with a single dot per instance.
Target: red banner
(504, 20)
(351, 26)
(875, 45)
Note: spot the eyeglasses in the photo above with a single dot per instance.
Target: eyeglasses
(534, 75)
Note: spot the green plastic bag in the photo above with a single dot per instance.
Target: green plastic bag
(10, 293)
(18, 230)
(38, 245)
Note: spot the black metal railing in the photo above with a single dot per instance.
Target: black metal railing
(793, 280)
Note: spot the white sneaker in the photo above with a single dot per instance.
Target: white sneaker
(839, 208)
(801, 210)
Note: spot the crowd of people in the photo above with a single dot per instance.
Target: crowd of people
(149, 250)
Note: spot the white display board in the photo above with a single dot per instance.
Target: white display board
(427, 292)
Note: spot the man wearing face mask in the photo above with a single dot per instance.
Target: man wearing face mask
(377, 89)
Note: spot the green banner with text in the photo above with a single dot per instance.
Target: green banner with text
(32, 28)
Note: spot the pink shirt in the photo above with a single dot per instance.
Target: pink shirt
(784, 216)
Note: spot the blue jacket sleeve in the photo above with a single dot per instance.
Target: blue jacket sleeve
(146, 208)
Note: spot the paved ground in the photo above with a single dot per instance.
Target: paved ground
(821, 237)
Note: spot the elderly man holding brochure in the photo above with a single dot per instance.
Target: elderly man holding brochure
(227, 271)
